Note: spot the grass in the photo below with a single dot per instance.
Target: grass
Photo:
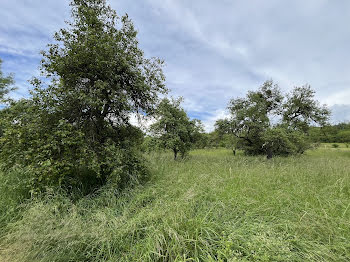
(211, 207)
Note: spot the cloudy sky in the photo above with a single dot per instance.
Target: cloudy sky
(214, 50)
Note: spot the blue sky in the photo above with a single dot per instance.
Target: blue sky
(214, 50)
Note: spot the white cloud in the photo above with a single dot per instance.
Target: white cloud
(213, 50)
(209, 122)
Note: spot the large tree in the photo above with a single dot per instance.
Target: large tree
(269, 122)
(173, 127)
(97, 77)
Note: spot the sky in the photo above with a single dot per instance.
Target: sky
(213, 50)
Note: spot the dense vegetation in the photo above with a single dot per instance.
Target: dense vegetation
(338, 133)
(79, 182)
(211, 207)
(75, 130)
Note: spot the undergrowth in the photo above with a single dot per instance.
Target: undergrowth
(210, 207)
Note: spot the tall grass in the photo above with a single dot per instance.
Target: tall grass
(210, 207)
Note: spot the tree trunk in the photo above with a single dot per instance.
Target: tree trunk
(175, 153)
(269, 153)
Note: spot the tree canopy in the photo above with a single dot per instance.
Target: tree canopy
(6, 83)
(173, 128)
(77, 120)
(269, 122)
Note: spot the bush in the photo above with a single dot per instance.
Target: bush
(278, 143)
(55, 153)
(281, 142)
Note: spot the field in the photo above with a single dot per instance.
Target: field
(211, 207)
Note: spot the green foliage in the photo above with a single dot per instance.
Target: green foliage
(225, 130)
(338, 133)
(268, 122)
(344, 137)
(76, 129)
(277, 142)
(335, 145)
(6, 84)
(201, 140)
(283, 142)
(173, 128)
(300, 110)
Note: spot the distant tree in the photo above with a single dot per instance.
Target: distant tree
(214, 139)
(6, 86)
(225, 129)
(173, 127)
(79, 123)
(6, 83)
(344, 137)
(268, 122)
(201, 140)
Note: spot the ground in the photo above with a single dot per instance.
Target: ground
(212, 206)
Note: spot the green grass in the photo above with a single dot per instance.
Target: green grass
(211, 207)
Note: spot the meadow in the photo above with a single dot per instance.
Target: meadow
(212, 206)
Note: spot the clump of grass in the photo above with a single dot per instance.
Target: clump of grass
(14, 191)
(210, 207)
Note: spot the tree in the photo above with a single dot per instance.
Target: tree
(6, 84)
(344, 137)
(173, 127)
(226, 133)
(79, 123)
(269, 122)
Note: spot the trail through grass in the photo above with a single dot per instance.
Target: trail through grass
(211, 207)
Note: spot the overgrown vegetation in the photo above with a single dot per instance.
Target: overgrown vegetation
(337, 133)
(211, 207)
(79, 182)
(76, 128)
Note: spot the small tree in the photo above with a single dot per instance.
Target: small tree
(268, 122)
(226, 131)
(6, 84)
(173, 127)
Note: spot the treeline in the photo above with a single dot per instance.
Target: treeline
(201, 140)
(265, 122)
(338, 133)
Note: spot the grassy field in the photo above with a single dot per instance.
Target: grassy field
(210, 207)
